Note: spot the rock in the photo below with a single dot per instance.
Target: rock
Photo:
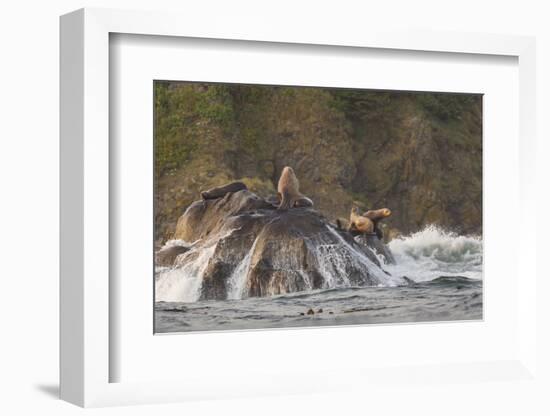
(203, 217)
(331, 313)
(221, 191)
(167, 255)
(245, 247)
(342, 223)
(273, 200)
(409, 281)
(310, 312)
(374, 243)
(320, 310)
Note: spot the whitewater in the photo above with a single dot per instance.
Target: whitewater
(443, 271)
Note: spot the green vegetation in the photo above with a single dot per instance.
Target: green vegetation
(416, 153)
(179, 114)
(447, 106)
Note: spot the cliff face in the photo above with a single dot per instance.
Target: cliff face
(417, 154)
(428, 170)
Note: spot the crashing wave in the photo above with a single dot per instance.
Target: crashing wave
(434, 252)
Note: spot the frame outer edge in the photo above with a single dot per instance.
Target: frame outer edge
(84, 265)
(71, 218)
(95, 194)
(527, 295)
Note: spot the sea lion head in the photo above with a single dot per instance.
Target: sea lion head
(287, 170)
(378, 214)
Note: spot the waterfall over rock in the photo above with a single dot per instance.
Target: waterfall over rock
(244, 247)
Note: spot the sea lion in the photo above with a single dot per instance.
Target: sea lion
(221, 191)
(289, 191)
(376, 215)
(303, 202)
(360, 223)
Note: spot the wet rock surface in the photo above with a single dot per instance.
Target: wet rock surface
(245, 247)
(373, 242)
(166, 256)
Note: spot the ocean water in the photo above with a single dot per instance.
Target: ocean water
(444, 271)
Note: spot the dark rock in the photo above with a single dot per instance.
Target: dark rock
(320, 310)
(310, 312)
(342, 224)
(221, 191)
(273, 200)
(244, 247)
(303, 202)
(408, 281)
(203, 217)
(375, 243)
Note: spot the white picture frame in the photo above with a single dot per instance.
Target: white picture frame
(86, 356)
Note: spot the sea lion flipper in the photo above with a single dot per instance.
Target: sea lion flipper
(286, 202)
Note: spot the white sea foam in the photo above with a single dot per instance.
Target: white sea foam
(179, 243)
(237, 280)
(333, 259)
(184, 283)
(422, 256)
(434, 252)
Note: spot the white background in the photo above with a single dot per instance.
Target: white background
(29, 172)
(137, 60)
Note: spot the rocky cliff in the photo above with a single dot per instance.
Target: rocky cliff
(416, 153)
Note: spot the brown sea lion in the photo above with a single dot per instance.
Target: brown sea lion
(289, 191)
(221, 191)
(376, 215)
(360, 223)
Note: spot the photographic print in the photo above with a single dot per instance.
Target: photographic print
(291, 206)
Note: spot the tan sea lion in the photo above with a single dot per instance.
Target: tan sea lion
(221, 191)
(289, 191)
(376, 215)
(360, 223)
